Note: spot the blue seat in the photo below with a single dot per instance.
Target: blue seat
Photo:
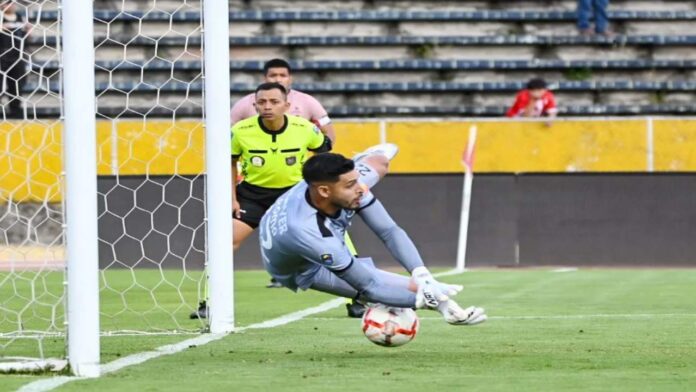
(379, 16)
(392, 65)
(403, 87)
(391, 111)
(507, 40)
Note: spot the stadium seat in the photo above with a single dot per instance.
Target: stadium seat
(490, 65)
(653, 40)
(395, 111)
(392, 65)
(374, 16)
(410, 87)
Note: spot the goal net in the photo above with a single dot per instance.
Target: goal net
(151, 166)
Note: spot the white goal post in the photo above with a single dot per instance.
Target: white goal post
(121, 189)
(218, 165)
(81, 175)
(80, 165)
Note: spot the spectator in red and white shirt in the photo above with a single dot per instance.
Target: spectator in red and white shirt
(534, 101)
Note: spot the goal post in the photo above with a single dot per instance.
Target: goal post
(80, 165)
(115, 186)
(218, 164)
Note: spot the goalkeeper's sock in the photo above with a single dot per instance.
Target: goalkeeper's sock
(388, 150)
(368, 175)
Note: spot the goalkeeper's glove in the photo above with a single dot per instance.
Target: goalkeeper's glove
(431, 292)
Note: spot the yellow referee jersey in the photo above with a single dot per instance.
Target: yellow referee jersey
(274, 159)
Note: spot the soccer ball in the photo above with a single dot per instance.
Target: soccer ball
(388, 326)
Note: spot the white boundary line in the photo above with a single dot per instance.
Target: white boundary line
(565, 269)
(135, 359)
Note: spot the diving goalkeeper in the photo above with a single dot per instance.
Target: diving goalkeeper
(303, 247)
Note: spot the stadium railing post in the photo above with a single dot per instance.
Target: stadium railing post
(218, 180)
(650, 143)
(80, 157)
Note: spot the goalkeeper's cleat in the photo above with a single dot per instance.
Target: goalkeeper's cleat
(455, 315)
(201, 312)
(389, 150)
(355, 309)
(273, 284)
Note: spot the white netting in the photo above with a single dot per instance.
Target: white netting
(151, 156)
(31, 235)
(150, 152)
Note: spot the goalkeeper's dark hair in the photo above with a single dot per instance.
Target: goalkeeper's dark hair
(276, 63)
(271, 86)
(326, 167)
(536, 84)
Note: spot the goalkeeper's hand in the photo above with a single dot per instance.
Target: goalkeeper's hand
(431, 292)
(429, 296)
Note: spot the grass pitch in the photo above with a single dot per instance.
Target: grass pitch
(601, 329)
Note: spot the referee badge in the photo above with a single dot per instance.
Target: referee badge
(290, 160)
(257, 161)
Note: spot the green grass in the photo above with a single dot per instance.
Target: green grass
(589, 330)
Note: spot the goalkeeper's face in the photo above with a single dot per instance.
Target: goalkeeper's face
(279, 75)
(347, 191)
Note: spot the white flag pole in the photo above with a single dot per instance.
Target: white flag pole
(468, 163)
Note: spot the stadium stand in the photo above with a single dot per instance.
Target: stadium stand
(397, 57)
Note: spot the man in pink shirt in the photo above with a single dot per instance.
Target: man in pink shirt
(301, 104)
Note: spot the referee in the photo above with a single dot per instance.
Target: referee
(271, 147)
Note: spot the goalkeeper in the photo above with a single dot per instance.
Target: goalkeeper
(301, 105)
(272, 147)
(302, 244)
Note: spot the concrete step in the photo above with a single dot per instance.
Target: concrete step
(172, 86)
(452, 4)
(186, 22)
(515, 47)
(464, 76)
(281, 5)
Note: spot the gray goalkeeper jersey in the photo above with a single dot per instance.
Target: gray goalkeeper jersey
(297, 239)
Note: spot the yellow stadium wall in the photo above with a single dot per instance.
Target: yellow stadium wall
(31, 164)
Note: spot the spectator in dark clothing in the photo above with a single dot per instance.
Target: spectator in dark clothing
(597, 7)
(12, 60)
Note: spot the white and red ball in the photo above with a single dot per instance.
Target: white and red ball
(389, 326)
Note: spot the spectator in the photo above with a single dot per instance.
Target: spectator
(12, 63)
(599, 9)
(534, 101)
(301, 104)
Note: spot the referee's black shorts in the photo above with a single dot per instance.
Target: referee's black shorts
(254, 201)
